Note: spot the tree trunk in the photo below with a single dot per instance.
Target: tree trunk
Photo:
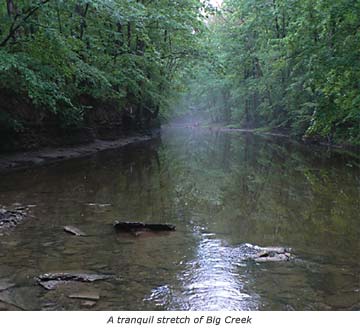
(277, 26)
(10, 7)
(129, 36)
(83, 14)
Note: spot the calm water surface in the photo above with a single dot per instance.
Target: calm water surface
(222, 190)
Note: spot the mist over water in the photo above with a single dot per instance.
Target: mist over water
(222, 190)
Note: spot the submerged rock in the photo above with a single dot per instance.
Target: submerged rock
(50, 281)
(136, 228)
(88, 295)
(88, 303)
(50, 285)
(272, 254)
(74, 230)
(6, 284)
(11, 218)
(272, 257)
(258, 254)
(101, 205)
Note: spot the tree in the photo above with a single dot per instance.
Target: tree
(55, 54)
(289, 65)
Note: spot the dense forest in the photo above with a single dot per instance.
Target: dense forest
(286, 65)
(66, 64)
(179, 155)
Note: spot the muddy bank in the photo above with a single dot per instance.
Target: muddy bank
(21, 160)
(26, 127)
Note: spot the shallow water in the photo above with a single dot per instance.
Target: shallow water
(222, 190)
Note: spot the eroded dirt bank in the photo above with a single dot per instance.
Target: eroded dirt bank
(21, 160)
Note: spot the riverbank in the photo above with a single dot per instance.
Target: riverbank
(47, 155)
(22, 160)
(313, 141)
(316, 141)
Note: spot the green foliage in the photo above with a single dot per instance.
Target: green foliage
(54, 52)
(21, 75)
(283, 64)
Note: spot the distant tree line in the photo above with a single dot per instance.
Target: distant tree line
(291, 65)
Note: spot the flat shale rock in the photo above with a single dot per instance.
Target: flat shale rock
(51, 285)
(273, 257)
(6, 284)
(51, 280)
(4, 306)
(259, 254)
(11, 218)
(88, 295)
(74, 230)
(135, 227)
(88, 303)
(273, 254)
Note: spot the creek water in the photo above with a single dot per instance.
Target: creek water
(221, 190)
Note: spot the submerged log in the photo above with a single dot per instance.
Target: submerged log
(135, 227)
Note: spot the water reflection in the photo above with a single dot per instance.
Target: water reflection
(209, 282)
(221, 190)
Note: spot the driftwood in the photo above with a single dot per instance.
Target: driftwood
(136, 227)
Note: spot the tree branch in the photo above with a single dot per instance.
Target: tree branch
(14, 27)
